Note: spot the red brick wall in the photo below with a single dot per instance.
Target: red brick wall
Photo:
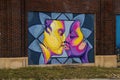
(11, 28)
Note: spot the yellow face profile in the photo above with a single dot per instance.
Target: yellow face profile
(54, 38)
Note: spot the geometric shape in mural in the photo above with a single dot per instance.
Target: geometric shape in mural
(55, 15)
(35, 46)
(62, 17)
(67, 28)
(41, 59)
(69, 61)
(69, 16)
(62, 60)
(43, 17)
(55, 61)
(40, 38)
(77, 60)
(86, 32)
(36, 30)
(81, 18)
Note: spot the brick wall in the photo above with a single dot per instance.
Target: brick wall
(11, 28)
(13, 22)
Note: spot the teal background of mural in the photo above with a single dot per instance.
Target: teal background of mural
(118, 31)
(117, 34)
(36, 28)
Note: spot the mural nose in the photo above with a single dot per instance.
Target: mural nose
(66, 45)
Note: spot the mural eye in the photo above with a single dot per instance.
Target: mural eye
(72, 37)
(60, 32)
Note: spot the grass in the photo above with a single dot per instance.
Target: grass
(60, 72)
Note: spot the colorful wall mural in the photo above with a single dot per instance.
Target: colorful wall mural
(118, 34)
(60, 38)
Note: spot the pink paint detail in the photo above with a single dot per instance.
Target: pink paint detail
(81, 50)
(67, 47)
(68, 38)
(75, 25)
(74, 50)
(72, 41)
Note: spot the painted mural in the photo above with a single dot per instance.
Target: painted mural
(60, 38)
(118, 34)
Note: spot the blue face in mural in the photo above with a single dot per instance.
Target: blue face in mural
(60, 38)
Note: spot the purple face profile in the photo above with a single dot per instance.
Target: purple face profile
(75, 46)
